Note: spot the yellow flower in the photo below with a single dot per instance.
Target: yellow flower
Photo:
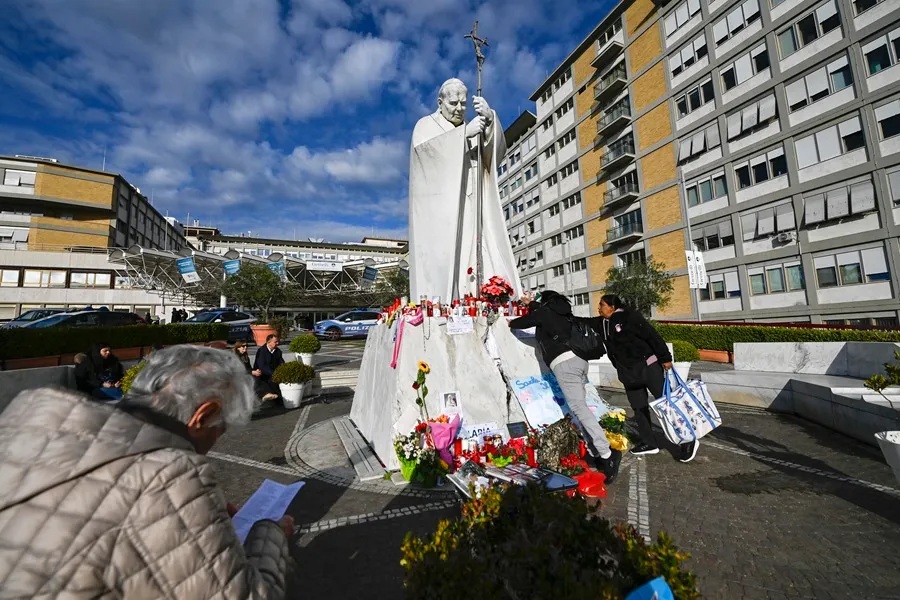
(617, 441)
(619, 414)
(423, 366)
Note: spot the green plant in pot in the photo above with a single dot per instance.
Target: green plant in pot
(305, 346)
(295, 379)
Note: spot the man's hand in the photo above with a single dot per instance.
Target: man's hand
(667, 365)
(287, 525)
(483, 110)
(256, 373)
(476, 126)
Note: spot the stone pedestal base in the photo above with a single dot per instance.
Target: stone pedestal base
(384, 404)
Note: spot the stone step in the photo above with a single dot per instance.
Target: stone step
(364, 461)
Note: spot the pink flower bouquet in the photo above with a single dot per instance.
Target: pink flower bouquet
(443, 434)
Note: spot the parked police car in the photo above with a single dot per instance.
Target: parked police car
(355, 323)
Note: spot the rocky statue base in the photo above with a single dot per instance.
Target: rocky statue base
(385, 402)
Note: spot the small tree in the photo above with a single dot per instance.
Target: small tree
(257, 288)
(390, 286)
(642, 285)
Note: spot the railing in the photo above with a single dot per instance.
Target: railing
(617, 74)
(617, 150)
(616, 113)
(616, 193)
(26, 246)
(624, 230)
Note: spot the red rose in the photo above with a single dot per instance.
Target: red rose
(415, 385)
(469, 271)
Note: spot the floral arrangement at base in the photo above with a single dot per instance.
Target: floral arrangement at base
(613, 423)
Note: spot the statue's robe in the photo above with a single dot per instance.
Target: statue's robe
(442, 177)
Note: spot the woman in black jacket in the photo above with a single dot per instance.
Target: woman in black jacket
(642, 361)
(105, 373)
(550, 316)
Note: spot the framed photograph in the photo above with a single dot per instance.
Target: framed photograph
(450, 403)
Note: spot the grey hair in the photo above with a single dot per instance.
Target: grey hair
(450, 83)
(177, 380)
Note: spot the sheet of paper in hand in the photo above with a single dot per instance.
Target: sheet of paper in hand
(269, 501)
(538, 400)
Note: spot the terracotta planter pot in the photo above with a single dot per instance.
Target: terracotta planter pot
(719, 356)
(261, 332)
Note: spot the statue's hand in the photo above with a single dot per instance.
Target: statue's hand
(475, 127)
(482, 109)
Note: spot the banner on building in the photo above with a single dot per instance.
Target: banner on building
(696, 269)
(369, 275)
(187, 269)
(279, 269)
(232, 266)
(691, 269)
(325, 265)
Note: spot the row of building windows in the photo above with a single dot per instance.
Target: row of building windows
(51, 278)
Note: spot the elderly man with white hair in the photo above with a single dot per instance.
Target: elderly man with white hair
(120, 501)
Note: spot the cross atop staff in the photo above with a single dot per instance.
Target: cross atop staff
(479, 56)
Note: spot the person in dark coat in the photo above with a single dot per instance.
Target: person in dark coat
(176, 316)
(85, 379)
(107, 372)
(260, 387)
(268, 358)
(642, 361)
(550, 316)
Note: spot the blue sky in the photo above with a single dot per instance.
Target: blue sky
(280, 117)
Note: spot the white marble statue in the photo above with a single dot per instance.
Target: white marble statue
(442, 180)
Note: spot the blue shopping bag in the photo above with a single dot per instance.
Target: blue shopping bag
(685, 411)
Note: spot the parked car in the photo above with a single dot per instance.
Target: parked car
(355, 323)
(89, 318)
(30, 316)
(238, 322)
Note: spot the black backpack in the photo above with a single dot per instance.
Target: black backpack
(582, 340)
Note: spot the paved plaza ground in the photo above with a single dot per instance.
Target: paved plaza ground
(772, 507)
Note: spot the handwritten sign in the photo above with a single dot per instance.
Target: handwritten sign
(477, 432)
(460, 325)
(538, 400)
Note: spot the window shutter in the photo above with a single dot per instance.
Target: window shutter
(670, 24)
(850, 126)
(720, 31)
(894, 182)
(767, 109)
(684, 150)
(748, 117)
(773, 154)
(735, 19)
(828, 143)
(674, 63)
(681, 13)
(699, 43)
(862, 197)
(817, 82)
(751, 8)
(731, 282)
(828, 10)
(814, 210)
(838, 64)
(848, 258)
(838, 203)
(890, 109)
(766, 221)
(712, 136)
(734, 125)
(784, 217)
(693, 6)
(873, 260)
(710, 231)
(725, 229)
(697, 143)
(743, 68)
(806, 151)
(748, 226)
(687, 54)
(796, 92)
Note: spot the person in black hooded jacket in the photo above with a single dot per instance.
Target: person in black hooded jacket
(107, 371)
(550, 316)
(642, 361)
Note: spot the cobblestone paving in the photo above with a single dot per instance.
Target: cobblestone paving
(772, 507)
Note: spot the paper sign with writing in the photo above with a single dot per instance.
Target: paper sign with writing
(477, 432)
(536, 396)
(460, 325)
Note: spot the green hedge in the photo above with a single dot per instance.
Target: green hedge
(31, 342)
(724, 337)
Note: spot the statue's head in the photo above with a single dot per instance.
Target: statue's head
(452, 101)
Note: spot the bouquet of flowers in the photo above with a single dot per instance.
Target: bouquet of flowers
(613, 424)
(497, 290)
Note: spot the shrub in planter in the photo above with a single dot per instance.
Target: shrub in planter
(684, 351)
(293, 372)
(305, 344)
(131, 374)
(724, 337)
(524, 543)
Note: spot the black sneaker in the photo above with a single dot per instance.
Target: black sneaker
(610, 466)
(642, 449)
(689, 451)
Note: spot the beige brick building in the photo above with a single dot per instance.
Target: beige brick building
(763, 133)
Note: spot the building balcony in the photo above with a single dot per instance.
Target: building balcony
(614, 120)
(608, 51)
(630, 232)
(611, 83)
(623, 193)
(620, 153)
